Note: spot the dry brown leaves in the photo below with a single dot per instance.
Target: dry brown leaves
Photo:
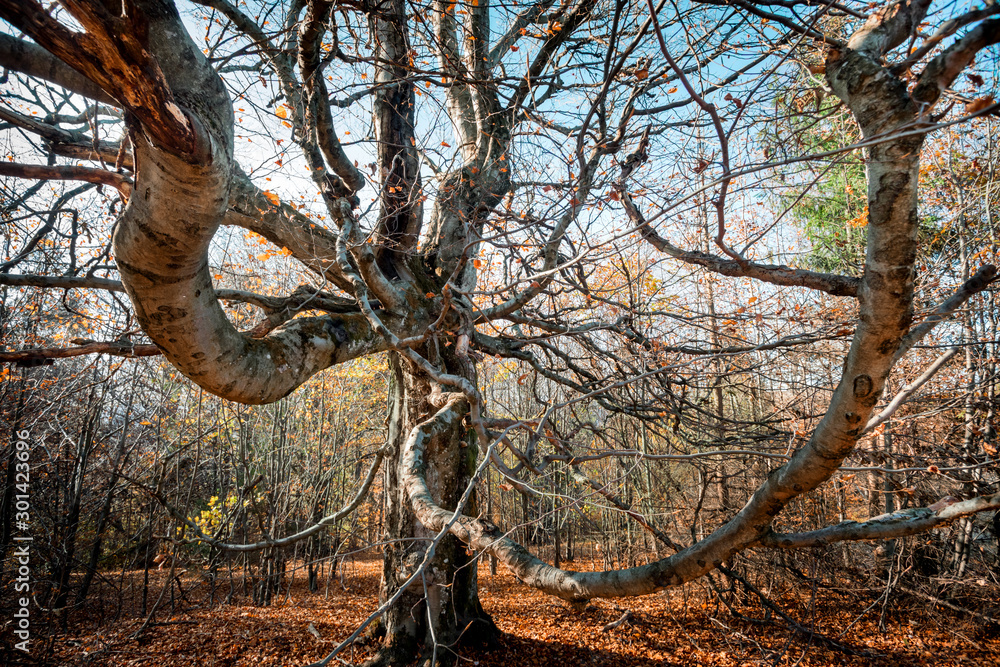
(681, 627)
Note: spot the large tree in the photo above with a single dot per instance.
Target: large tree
(581, 129)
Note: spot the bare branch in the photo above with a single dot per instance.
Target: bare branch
(886, 526)
(985, 277)
(770, 273)
(117, 348)
(120, 182)
(943, 69)
(908, 390)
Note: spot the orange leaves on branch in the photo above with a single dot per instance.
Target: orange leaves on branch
(860, 220)
(273, 198)
(281, 112)
(977, 105)
(738, 102)
(701, 166)
(976, 80)
(446, 144)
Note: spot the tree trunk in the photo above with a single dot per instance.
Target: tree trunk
(442, 607)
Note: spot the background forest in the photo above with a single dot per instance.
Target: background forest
(153, 499)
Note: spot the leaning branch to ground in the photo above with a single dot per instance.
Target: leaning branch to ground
(881, 104)
(887, 526)
(677, 569)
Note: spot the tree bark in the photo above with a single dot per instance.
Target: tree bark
(446, 607)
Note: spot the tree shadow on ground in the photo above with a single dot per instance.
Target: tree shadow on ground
(510, 650)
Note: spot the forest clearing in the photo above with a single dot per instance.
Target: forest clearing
(499, 332)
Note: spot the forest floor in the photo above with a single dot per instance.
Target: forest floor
(678, 627)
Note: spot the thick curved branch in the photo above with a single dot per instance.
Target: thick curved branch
(161, 248)
(180, 198)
